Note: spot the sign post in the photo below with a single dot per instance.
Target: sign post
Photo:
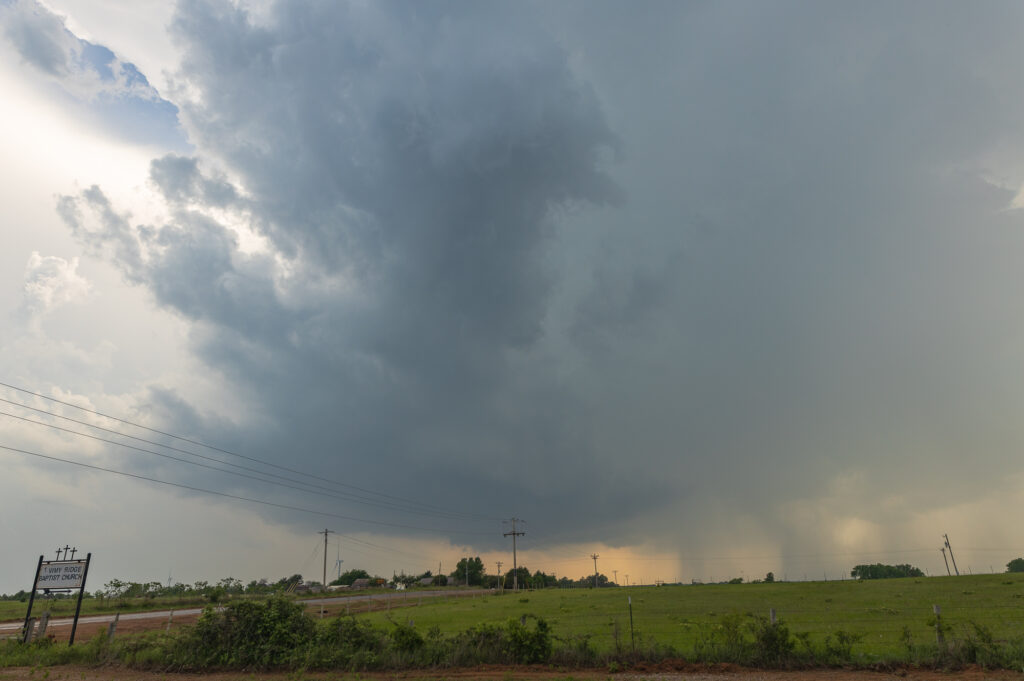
(25, 632)
(81, 593)
(59, 576)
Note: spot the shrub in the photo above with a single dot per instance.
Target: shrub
(247, 634)
(405, 638)
(773, 644)
(525, 644)
(839, 645)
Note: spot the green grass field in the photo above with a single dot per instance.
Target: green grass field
(877, 610)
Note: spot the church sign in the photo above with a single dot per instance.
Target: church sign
(60, 575)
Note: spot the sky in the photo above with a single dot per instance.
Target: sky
(709, 289)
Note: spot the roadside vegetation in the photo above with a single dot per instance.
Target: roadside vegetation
(850, 623)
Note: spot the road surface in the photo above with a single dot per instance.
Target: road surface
(164, 614)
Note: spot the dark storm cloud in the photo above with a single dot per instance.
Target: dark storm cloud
(180, 181)
(813, 274)
(408, 168)
(834, 242)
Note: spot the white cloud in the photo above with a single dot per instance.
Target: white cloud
(51, 281)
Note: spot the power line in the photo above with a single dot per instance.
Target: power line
(235, 496)
(208, 446)
(274, 481)
(226, 463)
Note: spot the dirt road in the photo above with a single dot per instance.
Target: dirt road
(89, 626)
(715, 673)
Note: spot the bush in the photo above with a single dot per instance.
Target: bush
(247, 634)
(773, 644)
(527, 645)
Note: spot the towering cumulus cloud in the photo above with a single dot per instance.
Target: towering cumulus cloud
(362, 238)
(399, 245)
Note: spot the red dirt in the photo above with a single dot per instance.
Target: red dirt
(656, 673)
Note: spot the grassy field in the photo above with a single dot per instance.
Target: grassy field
(878, 611)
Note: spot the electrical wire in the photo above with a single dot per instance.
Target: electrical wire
(412, 505)
(329, 493)
(210, 447)
(238, 497)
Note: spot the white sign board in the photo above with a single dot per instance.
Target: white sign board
(63, 574)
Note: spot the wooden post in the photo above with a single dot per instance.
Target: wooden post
(771, 616)
(112, 629)
(939, 638)
(43, 622)
(170, 618)
(81, 595)
(30, 628)
(632, 636)
(31, 599)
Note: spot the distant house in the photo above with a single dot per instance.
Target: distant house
(308, 588)
(426, 581)
(361, 583)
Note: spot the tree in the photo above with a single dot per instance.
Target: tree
(541, 580)
(476, 572)
(770, 577)
(522, 575)
(286, 583)
(880, 571)
(1015, 565)
(350, 576)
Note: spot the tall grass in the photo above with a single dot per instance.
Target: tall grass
(278, 634)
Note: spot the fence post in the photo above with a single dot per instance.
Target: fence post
(43, 623)
(771, 616)
(632, 636)
(170, 618)
(112, 629)
(939, 638)
(30, 629)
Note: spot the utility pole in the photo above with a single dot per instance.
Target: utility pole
(515, 564)
(594, 556)
(467, 573)
(943, 549)
(324, 533)
(616, 573)
(627, 580)
(951, 556)
(501, 579)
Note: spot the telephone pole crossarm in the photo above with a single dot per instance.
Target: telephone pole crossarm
(515, 566)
